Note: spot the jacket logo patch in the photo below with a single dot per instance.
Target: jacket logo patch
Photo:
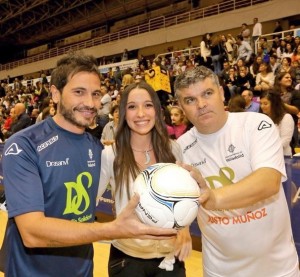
(13, 150)
(264, 125)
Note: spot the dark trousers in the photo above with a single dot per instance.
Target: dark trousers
(122, 265)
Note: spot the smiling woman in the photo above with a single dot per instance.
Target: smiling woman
(141, 141)
(140, 113)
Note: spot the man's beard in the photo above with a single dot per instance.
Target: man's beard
(69, 115)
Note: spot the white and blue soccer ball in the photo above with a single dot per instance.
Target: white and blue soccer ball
(168, 196)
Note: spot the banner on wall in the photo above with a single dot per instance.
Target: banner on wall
(106, 203)
(3, 215)
(292, 190)
(2, 195)
(158, 78)
(1, 175)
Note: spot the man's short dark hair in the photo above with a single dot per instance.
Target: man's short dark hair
(70, 65)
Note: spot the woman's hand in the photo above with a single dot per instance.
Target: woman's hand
(183, 244)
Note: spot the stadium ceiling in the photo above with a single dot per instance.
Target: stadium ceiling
(34, 22)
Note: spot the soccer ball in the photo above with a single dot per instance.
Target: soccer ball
(168, 196)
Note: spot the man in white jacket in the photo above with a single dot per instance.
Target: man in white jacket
(243, 217)
(256, 31)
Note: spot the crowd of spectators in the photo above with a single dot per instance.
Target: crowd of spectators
(248, 65)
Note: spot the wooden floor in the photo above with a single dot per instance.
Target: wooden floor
(193, 263)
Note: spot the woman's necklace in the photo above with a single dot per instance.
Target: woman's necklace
(147, 154)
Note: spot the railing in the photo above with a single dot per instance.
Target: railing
(153, 24)
(281, 35)
(270, 38)
(103, 69)
(184, 52)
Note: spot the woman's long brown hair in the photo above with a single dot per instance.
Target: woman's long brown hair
(125, 167)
